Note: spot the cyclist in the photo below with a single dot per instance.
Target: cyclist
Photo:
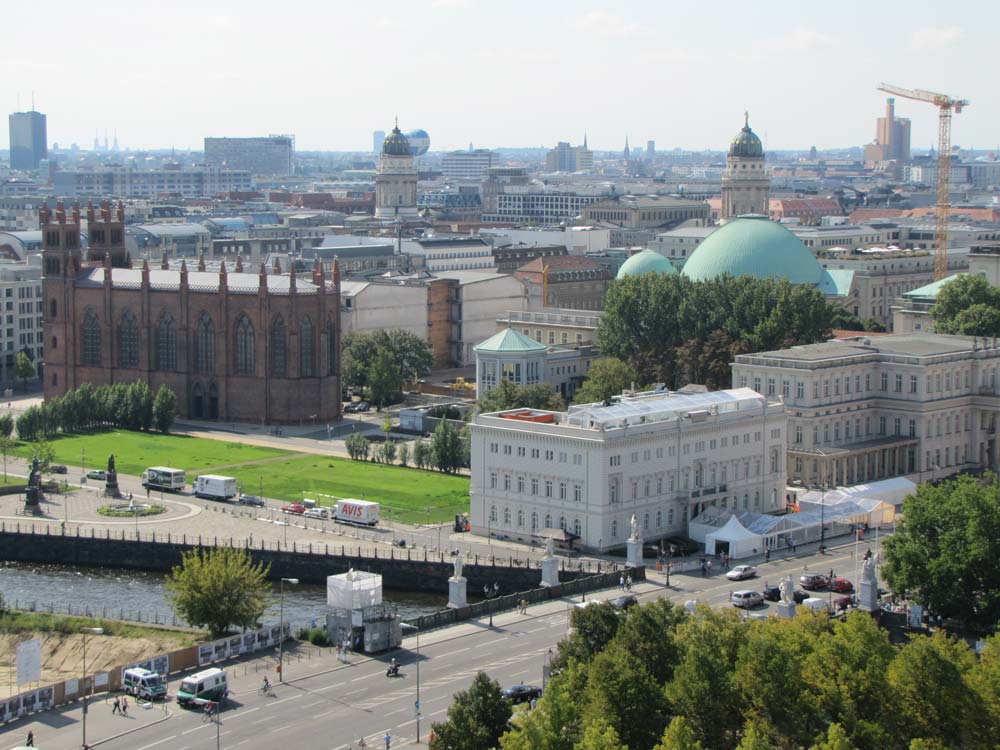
(266, 687)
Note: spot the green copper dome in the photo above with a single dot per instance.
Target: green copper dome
(746, 142)
(648, 261)
(510, 341)
(396, 144)
(753, 245)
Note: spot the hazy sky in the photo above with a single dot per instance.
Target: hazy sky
(510, 73)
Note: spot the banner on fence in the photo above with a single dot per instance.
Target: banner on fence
(246, 643)
(26, 703)
(29, 661)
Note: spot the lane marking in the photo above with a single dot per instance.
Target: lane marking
(280, 729)
(154, 744)
(365, 677)
(188, 731)
(285, 700)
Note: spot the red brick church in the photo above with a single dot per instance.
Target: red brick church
(233, 345)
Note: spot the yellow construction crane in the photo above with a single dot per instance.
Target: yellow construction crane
(945, 105)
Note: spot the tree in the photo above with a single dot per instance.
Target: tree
(356, 353)
(164, 409)
(384, 377)
(621, 692)
(599, 735)
(836, 739)
(357, 446)
(591, 630)
(24, 368)
(967, 305)
(43, 451)
(412, 354)
(7, 444)
(389, 451)
(382, 360)
(607, 377)
(219, 588)
(679, 735)
(508, 395)
(421, 459)
(556, 722)
(446, 447)
(649, 632)
(476, 718)
(404, 454)
(944, 552)
(6, 424)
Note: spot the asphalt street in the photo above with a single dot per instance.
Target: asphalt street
(330, 706)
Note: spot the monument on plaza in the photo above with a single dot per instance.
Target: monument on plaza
(550, 564)
(33, 495)
(633, 545)
(111, 480)
(458, 587)
(786, 607)
(868, 595)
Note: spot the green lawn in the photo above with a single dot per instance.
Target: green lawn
(405, 494)
(137, 451)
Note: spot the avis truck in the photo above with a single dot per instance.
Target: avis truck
(360, 512)
(164, 478)
(215, 487)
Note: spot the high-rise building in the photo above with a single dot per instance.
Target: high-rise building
(892, 137)
(566, 158)
(471, 164)
(28, 140)
(378, 138)
(395, 179)
(271, 155)
(650, 149)
(746, 188)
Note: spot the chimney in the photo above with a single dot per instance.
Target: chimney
(90, 212)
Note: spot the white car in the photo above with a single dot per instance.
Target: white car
(741, 572)
(321, 513)
(746, 599)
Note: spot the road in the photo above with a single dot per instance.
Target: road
(328, 706)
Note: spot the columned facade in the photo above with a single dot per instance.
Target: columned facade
(746, 188)
(395, 180)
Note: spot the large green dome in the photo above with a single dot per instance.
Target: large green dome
(753, 245)
(648, 261)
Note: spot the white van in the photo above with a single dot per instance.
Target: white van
(816, 604)
(207, 685)
(215, 487)
(143, 683)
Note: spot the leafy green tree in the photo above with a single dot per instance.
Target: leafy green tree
(357, 352)
(46, 455)
(679, 735)
(508, 395)
(591, 630)
(599, 735)
(757, 735)
(446, 447)
(476, 718)
(357, 446)
(621, 692)
(836, 739)
(557, 722)
(389, 451)
(985, 681)
(382, 360)
(945, 550)
(607, 377)
(404, 454)
(967, 305)
(218, 589)
(7, 444)
(164, 409)
(421, 454)
(650, 632)
(384, 376)
(6, 424)
(24, 368)
(412, 354)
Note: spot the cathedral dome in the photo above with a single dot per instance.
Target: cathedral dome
(746, 142)
(648, 261)
(396, 144)
(752, 245)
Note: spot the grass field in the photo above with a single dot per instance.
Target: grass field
(137, 451)
(405, 494)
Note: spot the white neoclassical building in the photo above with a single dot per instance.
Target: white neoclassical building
(881, 406)
(396, 179)
(663, 456)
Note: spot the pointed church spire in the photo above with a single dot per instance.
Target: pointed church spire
(746, 119)
(585, 140)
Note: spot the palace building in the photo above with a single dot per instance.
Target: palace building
(233, 345)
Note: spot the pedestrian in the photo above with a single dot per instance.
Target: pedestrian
(338, 653)
(534, 703)
(628, 583)
(388, 739)
(767, 555)
(621, 583)
(725, 561)
(31, 739)
(362, 744)
(116, 707)
(125, 707)
(708, 566)
(703, 569)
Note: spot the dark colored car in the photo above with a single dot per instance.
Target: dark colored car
(254, 500)
(841, 585)
(773, 594)
(813, 581)
(362, 406)
(843, 602)
(58, 469)
(522, 693)
(296, 508)
(624, 602)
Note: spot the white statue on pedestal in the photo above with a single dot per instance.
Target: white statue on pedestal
(550, 547)
(458, 566)
(785, 587)
(636, 534)
(868, 570)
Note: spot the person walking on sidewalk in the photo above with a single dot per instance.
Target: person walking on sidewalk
(125, 707)
(116, 707)
(30, 742)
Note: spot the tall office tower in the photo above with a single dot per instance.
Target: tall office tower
(28, 140)
(271, 155)
(378, 138)
(892, 137)
(566, 158)
(650, 149)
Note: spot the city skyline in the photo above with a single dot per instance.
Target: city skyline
(646, 71)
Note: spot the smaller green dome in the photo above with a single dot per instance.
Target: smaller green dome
(396, 144)
(746, 142)
(648, 261)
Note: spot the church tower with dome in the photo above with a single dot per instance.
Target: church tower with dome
(746, 188)
(396, 179)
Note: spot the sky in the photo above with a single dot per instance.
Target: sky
(497, 74)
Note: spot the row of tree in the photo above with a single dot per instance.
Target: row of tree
(379, 363)
(131, 406)
(659, 678)
(447, 451)
(673, 330)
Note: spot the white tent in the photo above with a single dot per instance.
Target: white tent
(892, 490)
(741, 541)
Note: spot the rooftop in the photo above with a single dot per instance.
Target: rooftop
(916, 345)
(510, 340)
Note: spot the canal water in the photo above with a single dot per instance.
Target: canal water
(102, 592)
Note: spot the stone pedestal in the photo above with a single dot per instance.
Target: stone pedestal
(550, 571)
(786, 609)
(111, 484)
(915, 616)
(868, 596)
(457, 598)
(633, 553)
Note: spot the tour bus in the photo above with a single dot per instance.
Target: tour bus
(207, 685)
(164, 478)
(143, 683)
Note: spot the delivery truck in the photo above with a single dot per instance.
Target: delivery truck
(359, 512)
(215, 487)
(164, 478)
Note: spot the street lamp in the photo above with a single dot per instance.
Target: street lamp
(491, 593)
(281, 628)
(85, 631)
(416, 705)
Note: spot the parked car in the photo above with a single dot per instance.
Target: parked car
(771, 593)
(98, 474)
(362, 406)
(522, 693)
(746, 599)
(841, 585)
(254, 500)
(741, 572)
(296, 508)
(58, 469)
(321, 513)
(813, 581)
(843, 602)
(350, 408)
(624, 602)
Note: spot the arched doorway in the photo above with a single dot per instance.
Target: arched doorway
(197, 402)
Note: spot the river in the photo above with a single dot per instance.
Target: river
(141, 596)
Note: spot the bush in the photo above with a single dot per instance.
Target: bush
(317, 637)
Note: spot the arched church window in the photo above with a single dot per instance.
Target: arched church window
(278, 347)
(166, 343)
(307, 349)
(244, 346)
(90, 340)
(204, 354)
(128, 341)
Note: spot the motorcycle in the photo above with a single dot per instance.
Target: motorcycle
(392, 671)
